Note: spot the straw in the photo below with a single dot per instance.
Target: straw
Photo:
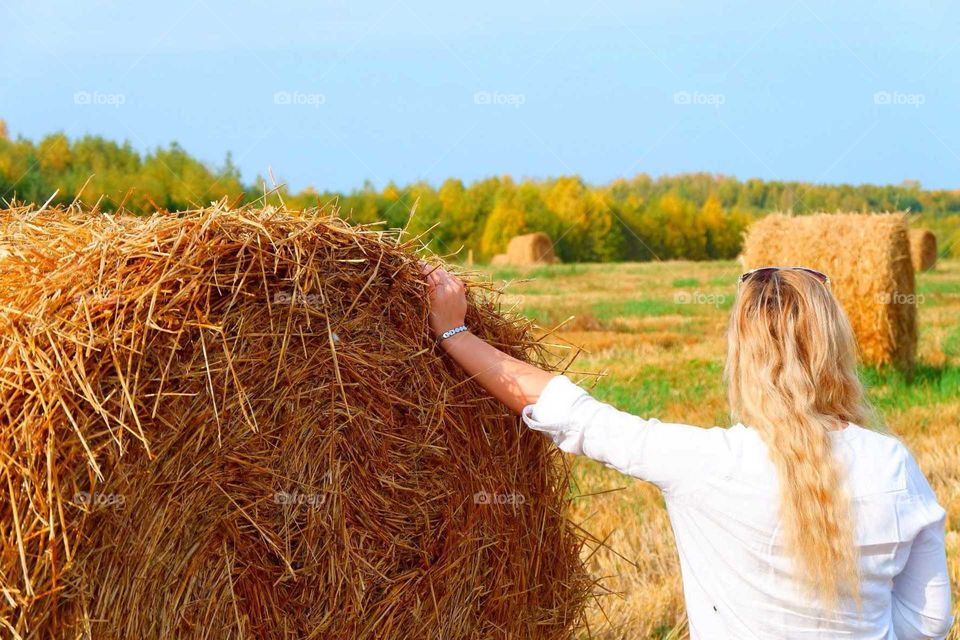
(235, 424)
(867, 257)
(923, 249)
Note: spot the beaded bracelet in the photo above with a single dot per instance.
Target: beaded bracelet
(449, 333)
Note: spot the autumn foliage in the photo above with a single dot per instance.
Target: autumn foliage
(691, 216)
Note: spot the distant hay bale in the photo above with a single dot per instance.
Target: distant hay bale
(867, 257)
(530, 249)
(236, 424)
(499, 260)
(923, 249)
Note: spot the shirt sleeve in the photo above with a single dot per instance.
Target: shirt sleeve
(921, 592)
(668, 455)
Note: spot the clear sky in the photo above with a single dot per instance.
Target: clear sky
(331, 94)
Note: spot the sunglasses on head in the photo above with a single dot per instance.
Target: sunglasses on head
(765, 272)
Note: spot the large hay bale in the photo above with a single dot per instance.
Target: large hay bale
(867, 257)
(531, 248)
(236, 425)
(923, 249)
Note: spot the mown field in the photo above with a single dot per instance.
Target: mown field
(655, 334)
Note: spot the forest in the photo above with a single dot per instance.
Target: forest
(696, 216)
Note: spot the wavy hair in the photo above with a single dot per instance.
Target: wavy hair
(791, 374)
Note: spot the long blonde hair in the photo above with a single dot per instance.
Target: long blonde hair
(792, 375)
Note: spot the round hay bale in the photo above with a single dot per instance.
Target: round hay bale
(923, 249)
(531, 248)
(867, 257)
(237, 425)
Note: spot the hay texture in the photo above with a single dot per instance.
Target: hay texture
(867, 257)
(530, 249)
(235, 424)
(923, 249)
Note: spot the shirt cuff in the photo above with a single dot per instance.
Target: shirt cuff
(552, 413)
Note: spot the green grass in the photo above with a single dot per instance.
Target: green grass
(505, 273)
(951, 343)
(724, 281)
(889, 389)
(651, 390)
(546, 272)
(542, 317)
(942, 287)
(610, 309)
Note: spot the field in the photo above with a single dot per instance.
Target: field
(655, 334)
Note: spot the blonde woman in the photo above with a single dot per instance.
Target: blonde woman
(796, 522)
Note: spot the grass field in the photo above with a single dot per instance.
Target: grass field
(655, 333)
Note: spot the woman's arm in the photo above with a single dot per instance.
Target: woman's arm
(511, 381)
(665, 454)
(921, 592)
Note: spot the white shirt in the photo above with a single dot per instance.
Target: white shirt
(721, 492)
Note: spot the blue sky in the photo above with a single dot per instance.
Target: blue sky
(330, 94)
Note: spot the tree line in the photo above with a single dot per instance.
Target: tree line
(691, 216)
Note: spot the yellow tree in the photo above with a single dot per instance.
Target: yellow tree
(724, 229)
(588, 229)
(567, 199)
(505, 221)
(461, 217)
(54, 153)
(683, 232)
(605, 230)
(391, 192)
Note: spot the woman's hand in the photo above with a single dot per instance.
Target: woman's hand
(513, 382)
(448, 299)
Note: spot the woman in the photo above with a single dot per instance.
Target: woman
(796, 522)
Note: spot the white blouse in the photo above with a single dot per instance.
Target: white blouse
(721, 492)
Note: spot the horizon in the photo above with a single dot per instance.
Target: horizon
(906, 183)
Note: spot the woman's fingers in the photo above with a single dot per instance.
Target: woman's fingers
(442, 283)
(448, 299)
(432, 275)
(429, 270)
